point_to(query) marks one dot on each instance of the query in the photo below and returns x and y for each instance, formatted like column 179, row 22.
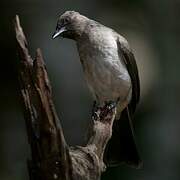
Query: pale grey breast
column 105, row 72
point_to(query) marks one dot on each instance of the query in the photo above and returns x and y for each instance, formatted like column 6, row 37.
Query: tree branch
column 51, row 157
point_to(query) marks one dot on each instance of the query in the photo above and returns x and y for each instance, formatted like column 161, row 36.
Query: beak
column 58, row 32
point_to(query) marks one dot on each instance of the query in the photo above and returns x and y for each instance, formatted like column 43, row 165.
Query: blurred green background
column 152, row 28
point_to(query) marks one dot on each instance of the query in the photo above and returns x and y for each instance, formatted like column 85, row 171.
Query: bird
column 111, row 73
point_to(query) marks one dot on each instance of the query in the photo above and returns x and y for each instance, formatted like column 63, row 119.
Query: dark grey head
column 70, row 25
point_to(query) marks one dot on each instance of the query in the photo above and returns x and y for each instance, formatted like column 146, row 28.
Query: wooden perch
column 51, row 157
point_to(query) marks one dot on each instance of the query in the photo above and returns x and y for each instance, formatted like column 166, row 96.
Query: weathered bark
column 51, row 157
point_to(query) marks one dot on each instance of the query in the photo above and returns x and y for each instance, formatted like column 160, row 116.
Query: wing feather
column 129, row 60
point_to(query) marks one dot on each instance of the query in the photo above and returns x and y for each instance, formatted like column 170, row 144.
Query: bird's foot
column 110, row 105
column 108, row 111
column 95, row 111
column 101, row 112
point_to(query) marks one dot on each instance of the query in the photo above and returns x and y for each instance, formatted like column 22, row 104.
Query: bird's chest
column 102, row 68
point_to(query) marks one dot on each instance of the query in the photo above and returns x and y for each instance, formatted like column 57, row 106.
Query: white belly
column 106, row 74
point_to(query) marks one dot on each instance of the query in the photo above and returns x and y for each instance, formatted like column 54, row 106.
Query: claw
column 111, row 105
column 95, row 114
column 100, row 112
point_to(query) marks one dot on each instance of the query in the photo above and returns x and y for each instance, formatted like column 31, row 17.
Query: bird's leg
column 94, row 106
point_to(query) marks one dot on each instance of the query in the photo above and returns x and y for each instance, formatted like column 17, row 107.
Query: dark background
column 153, row 29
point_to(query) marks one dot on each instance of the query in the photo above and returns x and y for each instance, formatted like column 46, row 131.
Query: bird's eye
column 65, row 21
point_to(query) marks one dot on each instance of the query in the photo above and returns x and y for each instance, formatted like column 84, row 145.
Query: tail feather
column 122, row 147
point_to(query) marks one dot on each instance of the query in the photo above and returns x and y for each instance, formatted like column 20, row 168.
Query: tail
column 122, row 147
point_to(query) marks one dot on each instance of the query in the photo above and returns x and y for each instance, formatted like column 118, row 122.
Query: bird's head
column 70, row 25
